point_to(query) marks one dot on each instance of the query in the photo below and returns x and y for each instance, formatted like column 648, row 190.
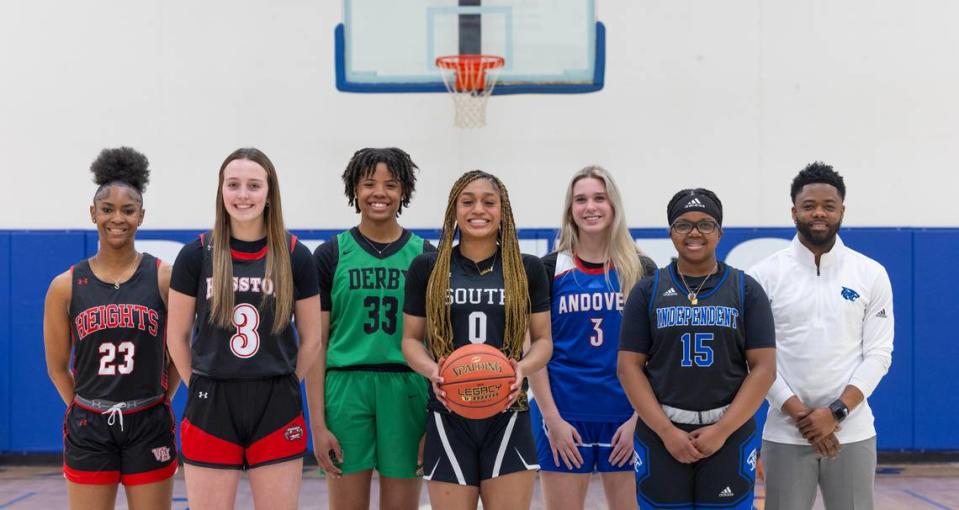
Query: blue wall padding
column 936, row 342
column 916, row 404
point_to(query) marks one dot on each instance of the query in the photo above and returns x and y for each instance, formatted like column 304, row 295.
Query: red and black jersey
column 249, row 349
column 118, row 334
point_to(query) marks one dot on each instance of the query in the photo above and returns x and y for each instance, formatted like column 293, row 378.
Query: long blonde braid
column 438, row 318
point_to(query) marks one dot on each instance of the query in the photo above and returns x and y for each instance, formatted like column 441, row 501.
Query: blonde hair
column 438, row 319
column 279, row 268
column 621, row 250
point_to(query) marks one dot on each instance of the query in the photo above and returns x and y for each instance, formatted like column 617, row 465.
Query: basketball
column 476, row 379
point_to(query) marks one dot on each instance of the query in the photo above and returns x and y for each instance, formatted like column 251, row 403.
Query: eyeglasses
column 685, row 227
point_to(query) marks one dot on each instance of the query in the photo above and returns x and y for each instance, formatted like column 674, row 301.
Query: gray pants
column 794, row 471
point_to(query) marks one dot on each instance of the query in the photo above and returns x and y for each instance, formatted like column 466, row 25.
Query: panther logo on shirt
column 849, row 294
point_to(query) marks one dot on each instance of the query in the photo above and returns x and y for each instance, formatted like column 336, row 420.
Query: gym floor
column 906, row 486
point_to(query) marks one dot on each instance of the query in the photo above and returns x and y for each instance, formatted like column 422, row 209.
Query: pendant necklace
column 116, row 282
column 692, row 295
column 484, row 272
column 378, row 251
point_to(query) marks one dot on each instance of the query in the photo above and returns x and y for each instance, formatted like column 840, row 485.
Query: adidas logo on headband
column 694, row 203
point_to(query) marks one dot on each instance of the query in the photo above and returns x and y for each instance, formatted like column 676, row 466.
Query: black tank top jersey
column 119, row 348
column 248, row 350
column 697, row 360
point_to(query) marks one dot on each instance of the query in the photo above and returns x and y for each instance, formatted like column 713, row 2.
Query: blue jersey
column 586, row 312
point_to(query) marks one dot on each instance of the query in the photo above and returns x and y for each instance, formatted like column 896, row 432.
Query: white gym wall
column 736, row 96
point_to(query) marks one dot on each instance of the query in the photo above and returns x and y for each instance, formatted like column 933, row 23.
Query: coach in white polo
column 834, row 330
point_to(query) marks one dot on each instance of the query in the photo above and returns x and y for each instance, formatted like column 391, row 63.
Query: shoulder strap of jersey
column 655, row 291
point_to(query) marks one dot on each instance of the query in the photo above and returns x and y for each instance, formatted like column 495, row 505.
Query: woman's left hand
column 709, row 439
column 622, row 443
column 517, row 385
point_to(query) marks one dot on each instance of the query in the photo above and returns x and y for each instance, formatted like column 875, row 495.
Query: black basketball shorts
column 99, row 448
column 243, row 424
column 465, row 452
column 723, row 480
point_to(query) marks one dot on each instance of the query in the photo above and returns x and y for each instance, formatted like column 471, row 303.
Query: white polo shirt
column 834, row 327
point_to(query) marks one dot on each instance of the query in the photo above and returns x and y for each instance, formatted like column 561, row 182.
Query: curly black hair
column 363, row 164
column 817, row 172
column 124, row 166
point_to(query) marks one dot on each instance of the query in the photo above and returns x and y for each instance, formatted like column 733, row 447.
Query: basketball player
column 369, row 407
column 582, row 420
column 238, row 290
column 110, row 310
column 480, row 291
column 697, row 356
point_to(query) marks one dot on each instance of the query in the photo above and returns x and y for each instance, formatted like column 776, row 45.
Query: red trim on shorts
column 200, row 446
column 157, row 475
column 285, row 442
column 90, row 477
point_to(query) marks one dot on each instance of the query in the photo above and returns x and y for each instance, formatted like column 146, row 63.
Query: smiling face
column 695, row 247
column 379, row 194
column 244, row 190
column 591, row 210
column 818, row 212
column 478, row 212
column 117, row 212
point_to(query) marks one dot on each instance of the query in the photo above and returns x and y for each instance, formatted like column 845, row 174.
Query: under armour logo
column 202, row 394
column 82, row 280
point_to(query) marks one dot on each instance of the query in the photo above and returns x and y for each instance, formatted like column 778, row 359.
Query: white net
column 470, row 82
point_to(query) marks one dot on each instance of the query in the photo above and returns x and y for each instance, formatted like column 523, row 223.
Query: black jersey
column 477, row 302
column 697, row 353
column 248, row 350
column 118, row 334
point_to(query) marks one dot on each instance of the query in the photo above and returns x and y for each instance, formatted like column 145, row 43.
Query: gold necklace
column 373, row 247
column 693, row 295
column 116, row 282
column 484, row 272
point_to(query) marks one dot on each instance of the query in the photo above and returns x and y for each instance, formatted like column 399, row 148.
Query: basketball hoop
column 470, row 79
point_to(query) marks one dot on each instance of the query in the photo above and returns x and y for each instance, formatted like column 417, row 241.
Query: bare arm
column 416, row 355
column 181, row 312
column 326, row 447
column 173, row 377
column 56, row 336
column 309, row 326
column 630, row 369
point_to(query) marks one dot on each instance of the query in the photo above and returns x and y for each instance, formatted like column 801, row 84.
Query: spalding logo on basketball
column 476, row 379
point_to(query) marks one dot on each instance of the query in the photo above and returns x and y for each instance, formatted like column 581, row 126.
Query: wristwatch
column 839, row 410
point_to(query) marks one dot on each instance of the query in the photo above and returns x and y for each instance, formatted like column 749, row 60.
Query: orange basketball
column 476, row 379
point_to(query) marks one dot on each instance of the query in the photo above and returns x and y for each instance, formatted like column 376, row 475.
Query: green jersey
column 366, row 301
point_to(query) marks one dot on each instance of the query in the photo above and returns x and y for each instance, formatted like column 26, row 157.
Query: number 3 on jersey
column 246, row 342
column 596, row 339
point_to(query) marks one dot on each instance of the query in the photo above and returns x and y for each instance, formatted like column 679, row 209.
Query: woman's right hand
column 436, row 380
column 563, row 439
column 327, row 448
column 680, row 445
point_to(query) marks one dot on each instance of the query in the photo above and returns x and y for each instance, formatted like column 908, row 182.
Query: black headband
column 694, row 201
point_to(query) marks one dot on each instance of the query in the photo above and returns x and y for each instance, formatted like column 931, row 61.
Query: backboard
column 391, row 46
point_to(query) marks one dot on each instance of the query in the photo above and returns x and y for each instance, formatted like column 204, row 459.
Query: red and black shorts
column 243, row 424
column 101, row 448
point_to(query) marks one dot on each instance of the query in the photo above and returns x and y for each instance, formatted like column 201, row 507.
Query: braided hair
column 121, row 166
column 814, row 173
column 438, row 319
column 363, row 164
